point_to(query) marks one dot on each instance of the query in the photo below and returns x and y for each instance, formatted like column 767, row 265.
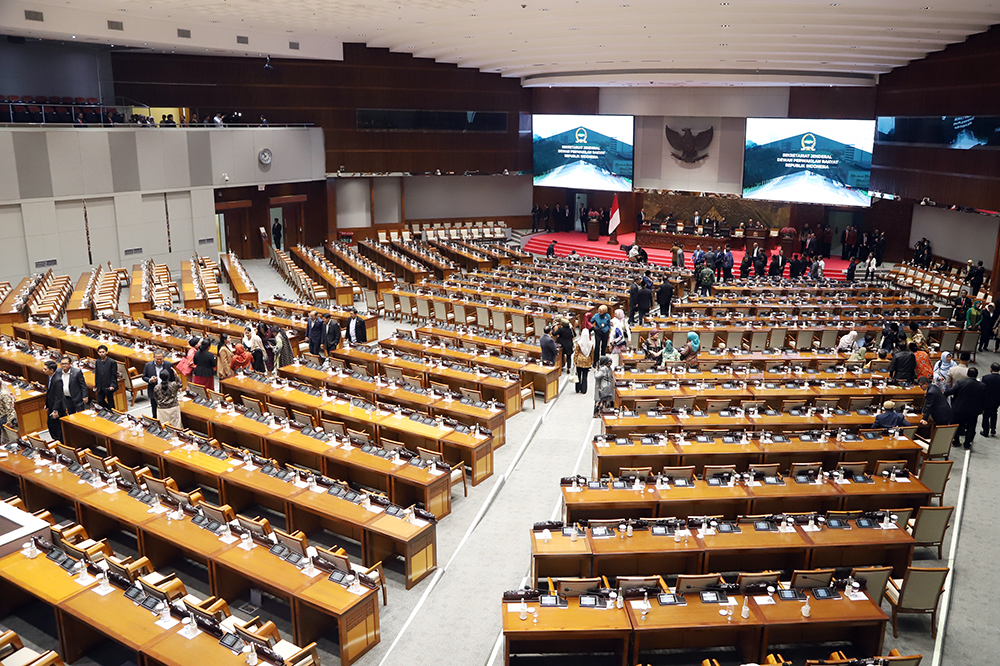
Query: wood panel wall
column 314, row 208
column 962, row 79
column 853, row 103
column 328, row 94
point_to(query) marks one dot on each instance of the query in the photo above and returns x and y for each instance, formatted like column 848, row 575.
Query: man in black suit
column 314, row 333
column 777, row 268
column 548, row 345
column 73, row 386
column 151, row 373
column 54, row 409
column 105, row 378
column 644, row 302
column 992, row 384
column 967, row 402
column 935, row 404
column 664, row 297
column 633, row 300
column 331, row 334
column 356, row 332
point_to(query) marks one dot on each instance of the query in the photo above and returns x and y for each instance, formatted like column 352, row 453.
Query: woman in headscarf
column 282, row 347
column 941, row 369
column 620, row 334
column 689, row 352
column 858, row 354
column 242, row 359
column 847, row 342
column 586, row 321
column 924, row 366
column 266, row 334
column 583, row 358
column 973, row 315
column 8, row 416
column 669, row 353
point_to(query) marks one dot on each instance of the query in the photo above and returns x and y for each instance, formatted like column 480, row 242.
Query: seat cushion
column 892, row 592
column 21, row 658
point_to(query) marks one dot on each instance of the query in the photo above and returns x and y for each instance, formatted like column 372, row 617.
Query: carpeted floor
column 576, row 241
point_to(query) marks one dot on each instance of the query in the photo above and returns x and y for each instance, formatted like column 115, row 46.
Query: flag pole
column 614, row 222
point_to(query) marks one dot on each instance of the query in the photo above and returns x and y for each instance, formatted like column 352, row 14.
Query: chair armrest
column 50, row 658
column 10, row 638
column 892, row 581
column 307, row 656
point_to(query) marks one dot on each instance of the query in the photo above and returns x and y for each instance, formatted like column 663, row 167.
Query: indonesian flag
column 616, row 218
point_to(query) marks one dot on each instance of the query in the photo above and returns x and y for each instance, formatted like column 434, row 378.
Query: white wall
column 720, row 171
column 131, row 182
column 954, row 235
column 735, row 102
column 430, row 197
column 354, row 199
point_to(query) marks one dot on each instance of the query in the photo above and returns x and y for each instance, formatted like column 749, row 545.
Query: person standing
column 283, row 354
column 602, row 330
column 706, row 278
column 976, row 276
column 204, row 365
column 356, row 333
column 151, row 373
column 550, row 251
column 564, row 338
column 8, row 417
column 548, row 345
column 745, row 266
column 903, row 367
column 583, row 358
column 546, row 215
column 74, row 387
column 645, row 302
column 852, row 269
column 633, row 299
column 185, row 366
column 665, row 297
column 992, row 401
column 105, row 378
column 315, row 333
column 604, row 385
column 777, row 268
column 166, row 397
column 968, row 399
column 331, row 334
column 224, row 358
column 54, row 409
column 255, row 345
column 759, row 261
column 936, row 405
column 276, row 235
column 986, row 324
column 727, row 265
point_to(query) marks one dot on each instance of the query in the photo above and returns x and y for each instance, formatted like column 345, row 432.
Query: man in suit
column 727, row 265
column 936, row 404
column 54, row 409
column 314, row 333
column 903, row 367
column 644, row 302
column 992, row 384
column 331, row 334
column 777, row 268
column 105, row 378
column 73, row 386
column 664, row 297
column 356, row 332
column 633, row 300
column 967, row 402
column 151, row 373
column 549, row 349
column 889, row 418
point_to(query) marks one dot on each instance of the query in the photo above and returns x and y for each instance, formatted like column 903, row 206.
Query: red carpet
column 567, row 242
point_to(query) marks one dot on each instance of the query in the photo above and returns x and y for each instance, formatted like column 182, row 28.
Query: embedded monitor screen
column 583, row 152
column 808, row 161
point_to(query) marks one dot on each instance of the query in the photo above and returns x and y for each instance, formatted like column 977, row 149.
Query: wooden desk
column 19, row 362
column 695, row 625
column 341, row 314
column 476, row 451
column 566, row 630
column 137, row 302
column 8, row 315
column 730, row 502
column 860, row 622
column 335, row 283
column 244, row 291
column 404, row 267
column 76, row 312
column 610, row 456
column 192, row 299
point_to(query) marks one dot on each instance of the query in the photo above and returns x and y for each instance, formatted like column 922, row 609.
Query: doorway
column 275, row 215
column 237, row 227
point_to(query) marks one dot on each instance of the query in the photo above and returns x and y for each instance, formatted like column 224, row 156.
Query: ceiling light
column 723, row 44
column 725, row 25
column 724, row 4
column 889, row 29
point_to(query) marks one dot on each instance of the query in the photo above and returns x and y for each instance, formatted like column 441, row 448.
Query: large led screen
column 808, row 161
column 583, row 152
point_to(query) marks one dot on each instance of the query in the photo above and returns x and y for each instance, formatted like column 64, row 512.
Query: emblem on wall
column 689, row 145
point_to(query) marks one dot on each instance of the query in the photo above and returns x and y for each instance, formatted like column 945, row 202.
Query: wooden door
column 293, row 214
column 237, row 232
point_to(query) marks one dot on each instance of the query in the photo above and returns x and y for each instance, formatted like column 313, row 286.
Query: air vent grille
column 116, row 25
column 242, row 40
column 32, row 15
column 293, row 46
column 183, row 33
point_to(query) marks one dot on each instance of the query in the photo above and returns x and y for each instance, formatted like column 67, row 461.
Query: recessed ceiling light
column 725, row 25
column 574, row 28
column 889, row 29
column 724, row 4
column 834, row 4
column 600, row 46
column 925, row 8
column 854, row 47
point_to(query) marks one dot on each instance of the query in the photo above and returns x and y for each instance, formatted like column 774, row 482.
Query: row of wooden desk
column 381, row 536
column 702, row 498
column 645, row 553
column 771, row 392
column 471, row 448
column 364, row 271
column 329, row 277
column 243, row 290
column 610, row 455
column 86, row 618
column 627, row 633
column 401, row 265
column 440, row 265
